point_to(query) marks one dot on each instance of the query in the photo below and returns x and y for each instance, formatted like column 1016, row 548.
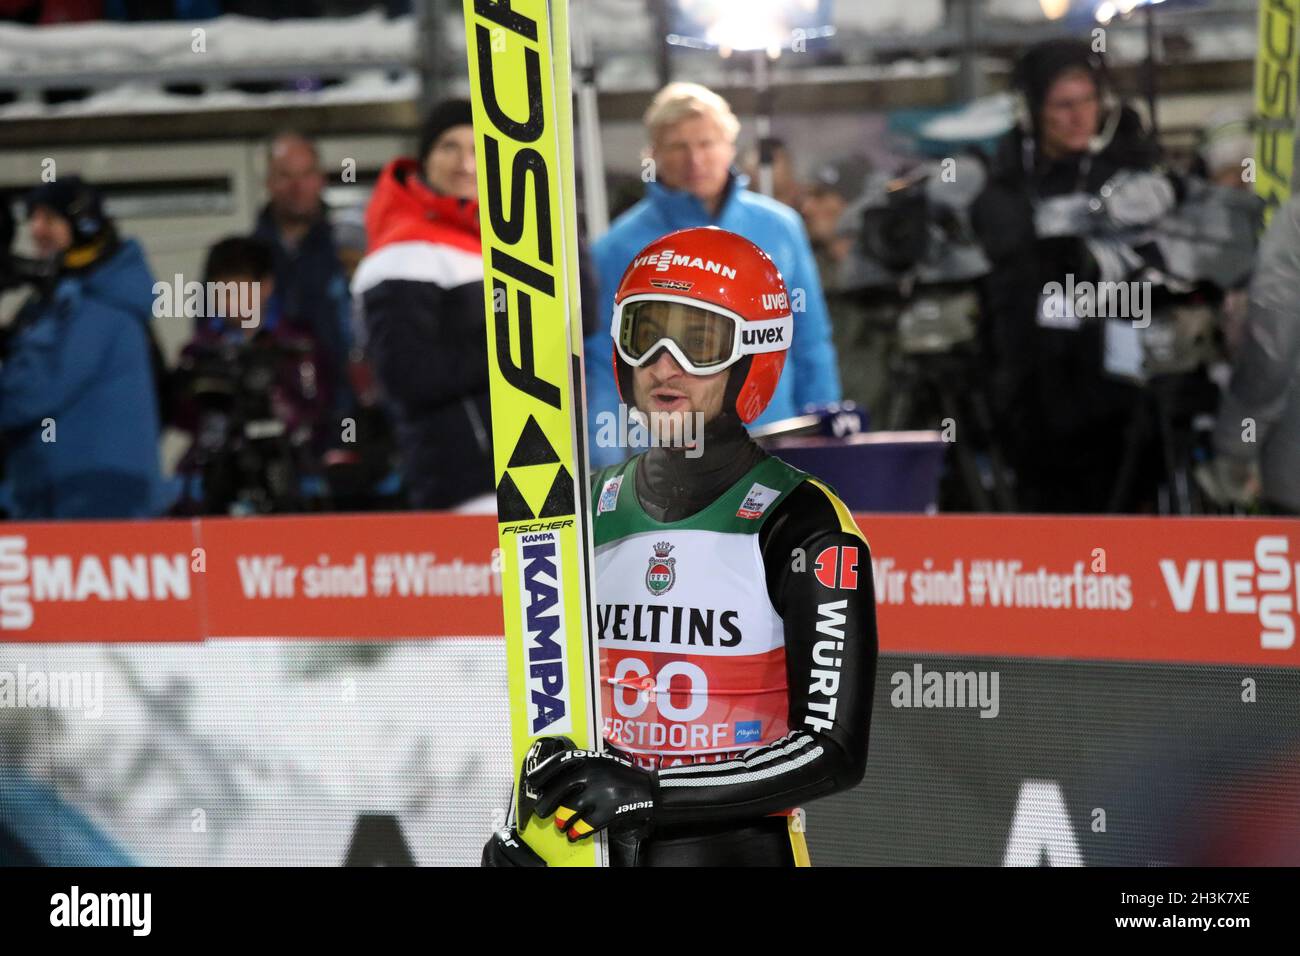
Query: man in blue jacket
column 78, row 398
column 692, row 134
column 309, row 278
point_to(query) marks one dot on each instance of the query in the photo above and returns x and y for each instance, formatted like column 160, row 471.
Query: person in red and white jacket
column 419, row 297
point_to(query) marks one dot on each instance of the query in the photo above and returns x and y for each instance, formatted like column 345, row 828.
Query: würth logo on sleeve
column 828, row 656
column 662, row 573
column 837, row 564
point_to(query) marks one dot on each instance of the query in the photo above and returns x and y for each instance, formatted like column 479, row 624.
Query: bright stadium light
column 1054, row 9
column 745, row 27
column 761, row 29
column 1108, row 10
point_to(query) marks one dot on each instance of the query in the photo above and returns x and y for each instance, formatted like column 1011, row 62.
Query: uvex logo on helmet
column 767, row 336
column 728, row 275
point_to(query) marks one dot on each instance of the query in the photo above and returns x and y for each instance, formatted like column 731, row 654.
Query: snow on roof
column 127, row 65
column 368, row 87
column 135, row 47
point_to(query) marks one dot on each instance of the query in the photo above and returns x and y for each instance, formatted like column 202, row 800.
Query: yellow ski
column 1277, row 67
column 519, row 76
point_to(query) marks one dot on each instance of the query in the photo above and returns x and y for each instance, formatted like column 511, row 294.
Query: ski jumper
column 737, row 649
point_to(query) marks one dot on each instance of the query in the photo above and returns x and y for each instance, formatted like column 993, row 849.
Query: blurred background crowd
column 1087, row 312
column 47, row 12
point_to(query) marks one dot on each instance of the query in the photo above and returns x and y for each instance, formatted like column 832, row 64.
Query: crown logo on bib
column 662, row 573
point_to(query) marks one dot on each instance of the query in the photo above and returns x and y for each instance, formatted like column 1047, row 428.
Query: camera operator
column 78, row 393
column 1064, row 417
column 248, row 390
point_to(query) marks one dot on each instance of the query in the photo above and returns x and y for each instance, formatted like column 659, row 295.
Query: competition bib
column 692, row 652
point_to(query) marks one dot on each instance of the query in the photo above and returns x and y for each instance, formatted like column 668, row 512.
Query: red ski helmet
column 714, row 301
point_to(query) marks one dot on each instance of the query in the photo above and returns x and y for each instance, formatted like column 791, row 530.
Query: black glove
column 506, row 848
column 587, row 791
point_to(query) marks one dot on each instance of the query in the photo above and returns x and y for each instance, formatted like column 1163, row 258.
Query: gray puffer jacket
column 1266, row 372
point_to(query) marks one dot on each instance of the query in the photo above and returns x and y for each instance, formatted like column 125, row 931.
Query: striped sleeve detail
column 759, row 764
column 418, row 261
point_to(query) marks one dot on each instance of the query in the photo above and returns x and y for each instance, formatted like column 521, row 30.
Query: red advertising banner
column 1208, row 590
column 99, row 581
column 353, row 576
column 1212, row 590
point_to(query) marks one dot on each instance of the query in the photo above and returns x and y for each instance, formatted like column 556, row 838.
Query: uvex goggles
column 703, row 338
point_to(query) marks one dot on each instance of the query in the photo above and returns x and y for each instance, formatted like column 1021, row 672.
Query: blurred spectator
column 248, row 392
column 1065, row 419
column 823, row 202
column 70, row 11
column 1257, row 438
column 164, row 9
column 308, row 275
column 420, row 298
column 361, row 473
column 1226, row 144
column 20, row 11
column 78, row 394
column 280, row 10
column 48, row 12
column 786, row 187
column 862, row 342
column 692, row 133
column 349, row 227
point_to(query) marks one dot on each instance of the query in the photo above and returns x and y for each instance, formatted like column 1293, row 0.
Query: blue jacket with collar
column 811, row 374
column 81, row 366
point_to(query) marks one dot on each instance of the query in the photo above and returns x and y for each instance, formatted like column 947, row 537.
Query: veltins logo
column 662, row 573
column 542, row 609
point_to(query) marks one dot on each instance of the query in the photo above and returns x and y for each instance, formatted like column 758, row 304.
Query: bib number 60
column 633, row 695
